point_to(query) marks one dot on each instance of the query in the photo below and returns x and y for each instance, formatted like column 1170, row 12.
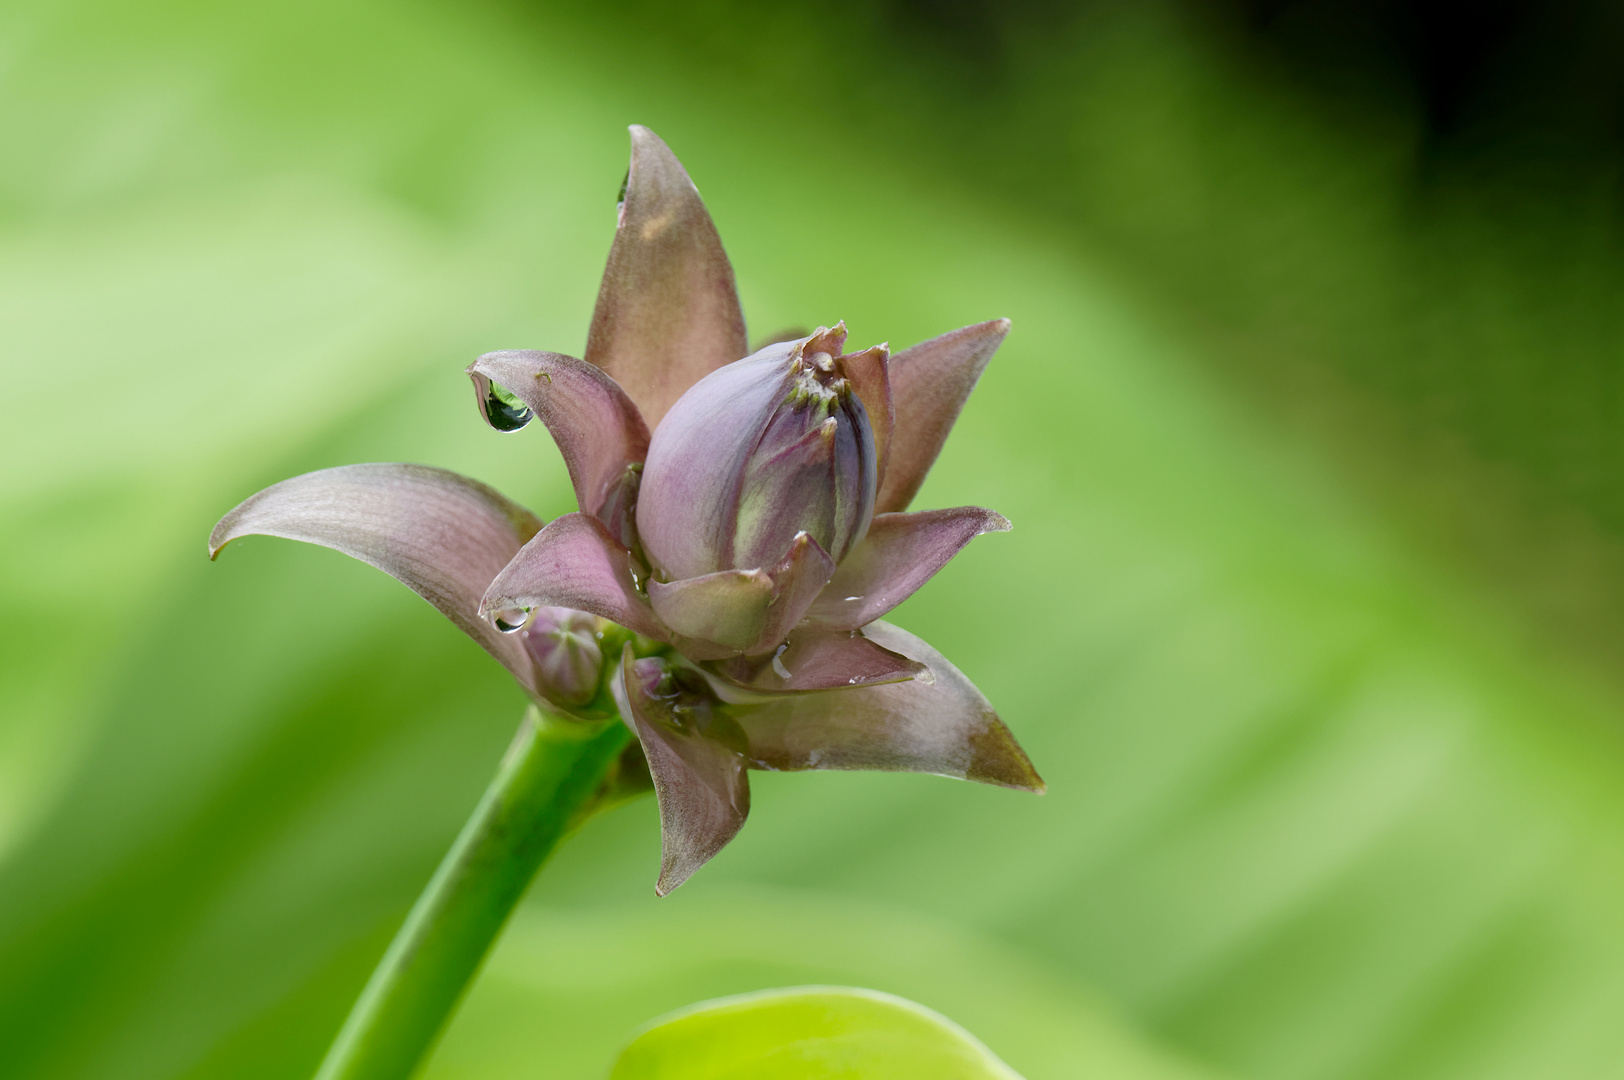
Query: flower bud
column 756, row 452
column 569, row 663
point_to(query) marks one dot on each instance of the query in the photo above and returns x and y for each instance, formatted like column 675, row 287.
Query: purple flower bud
column 755, row 453
column 569, row 662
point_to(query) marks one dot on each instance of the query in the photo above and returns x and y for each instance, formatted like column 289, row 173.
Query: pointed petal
column 900, row 553
column 735, row 612
column 667, row 311
column 442, row 535
column 727, row 608
column 574, row 563
column 597, row 428
column 942, row 725
column 929, row 384
column 814, row 659
column 797, row 582
column 694, row 755
column 869, row 372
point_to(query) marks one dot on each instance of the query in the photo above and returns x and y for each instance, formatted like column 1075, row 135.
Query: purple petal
column 727, row 608
column 597, row 428
column 442, row 535
column 797, row 581
column 814, row 659
column 900, row 553
column 695, row 757
column 687, row 510
column 929, row 385
column 939, row 724
column 574, row 563
column 869, row 372
column 667, row 310
column 735, row 612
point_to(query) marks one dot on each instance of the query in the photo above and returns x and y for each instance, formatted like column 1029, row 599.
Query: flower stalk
column 548, row 780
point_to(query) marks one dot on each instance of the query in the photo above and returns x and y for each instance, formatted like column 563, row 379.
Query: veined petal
column 929, row 384
column 574, row 563
column 727, row 608
column 668, row 311
column 941, row 724
column 695, row 756
column 442, row 535
column 900, row 553
column 816, row 659
column 596, row 426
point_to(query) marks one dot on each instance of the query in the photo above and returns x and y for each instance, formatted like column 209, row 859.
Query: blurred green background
column 1313, row 615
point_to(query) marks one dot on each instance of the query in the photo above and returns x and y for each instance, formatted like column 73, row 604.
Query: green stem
column 548, row 776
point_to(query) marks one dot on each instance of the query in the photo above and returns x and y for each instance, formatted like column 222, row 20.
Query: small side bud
column 569, row 662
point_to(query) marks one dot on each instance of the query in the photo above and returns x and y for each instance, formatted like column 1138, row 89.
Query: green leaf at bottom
column 807, row 1032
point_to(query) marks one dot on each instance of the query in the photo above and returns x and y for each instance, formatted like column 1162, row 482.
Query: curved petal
column 870, row 375
column 695, row 756
column 574, row 563
column 668, row 311
column 727, row 608
column 442, row 535
column 929, row 384
column 597, row 428
column 734, row 612
column 688, row 506
column 900, row 553
column 814, row 659
column 797, row 582
column 940, row 724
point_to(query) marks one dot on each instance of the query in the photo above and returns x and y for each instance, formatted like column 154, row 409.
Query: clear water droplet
column 504, row 410
column 511, row 620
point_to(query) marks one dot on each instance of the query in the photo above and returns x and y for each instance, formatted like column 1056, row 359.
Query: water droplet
column 511, row 620
column 504, row 410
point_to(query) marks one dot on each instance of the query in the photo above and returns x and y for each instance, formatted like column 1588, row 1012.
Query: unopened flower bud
column 756, row 452
column 569, row 663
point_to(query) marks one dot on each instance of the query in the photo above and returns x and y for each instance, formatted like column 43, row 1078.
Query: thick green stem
column 549, row 774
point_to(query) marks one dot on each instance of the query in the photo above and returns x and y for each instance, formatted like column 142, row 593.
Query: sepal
column 900, row 553
column 936, row 723
column 599, row 432
column 668, row 311
column 442, row 535
column 929, row 385
column 695, row 754
column 575, row 563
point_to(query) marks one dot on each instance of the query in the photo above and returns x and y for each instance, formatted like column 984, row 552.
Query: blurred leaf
column 806, row 1033
column 567, row 983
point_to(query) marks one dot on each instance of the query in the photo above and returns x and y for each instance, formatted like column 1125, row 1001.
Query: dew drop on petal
column 510, row 620
column 505, row 411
